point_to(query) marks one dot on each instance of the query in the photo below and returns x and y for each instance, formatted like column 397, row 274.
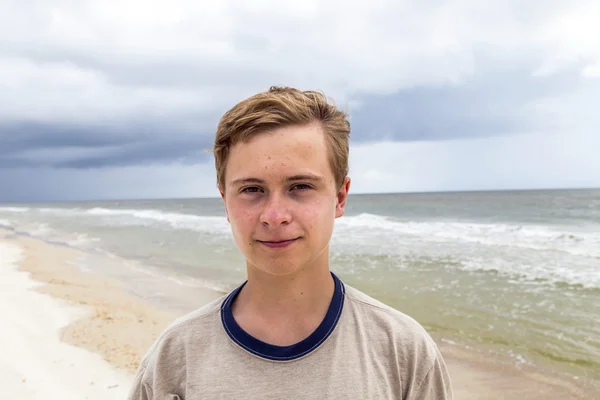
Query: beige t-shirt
column 362, row 350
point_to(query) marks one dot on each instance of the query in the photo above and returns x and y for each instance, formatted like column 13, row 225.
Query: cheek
column 242, row 219
column 319, row 214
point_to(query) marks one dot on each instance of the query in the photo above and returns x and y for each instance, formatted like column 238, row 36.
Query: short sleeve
column 140, row 390
column 436, row 384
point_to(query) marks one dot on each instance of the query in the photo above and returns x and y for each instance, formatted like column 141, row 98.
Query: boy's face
column 281, row 199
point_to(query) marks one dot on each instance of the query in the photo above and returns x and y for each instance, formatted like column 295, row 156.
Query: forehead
column 291, row 149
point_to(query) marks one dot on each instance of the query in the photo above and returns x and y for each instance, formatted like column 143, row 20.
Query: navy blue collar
column 280, row 353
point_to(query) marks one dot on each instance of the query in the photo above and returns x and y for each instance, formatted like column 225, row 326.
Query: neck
column 293, row 294
column 284, row 309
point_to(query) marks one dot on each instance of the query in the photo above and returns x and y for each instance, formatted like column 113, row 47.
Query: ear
column 222, row 192
column 342, row 196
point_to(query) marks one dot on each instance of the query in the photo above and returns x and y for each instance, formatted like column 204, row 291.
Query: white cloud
column 62, row 92
column 204, row 48
column 536, row 160
column 592, row 70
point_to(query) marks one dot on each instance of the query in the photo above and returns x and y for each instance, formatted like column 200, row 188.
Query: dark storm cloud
column 492, row 104
column 163, row 151
column 489, row 105
column 26, row 135
column 35, row 145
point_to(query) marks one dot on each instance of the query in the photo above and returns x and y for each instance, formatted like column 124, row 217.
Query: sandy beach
column 65, row 333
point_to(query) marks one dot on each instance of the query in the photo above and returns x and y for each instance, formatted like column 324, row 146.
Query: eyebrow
column 293, row 178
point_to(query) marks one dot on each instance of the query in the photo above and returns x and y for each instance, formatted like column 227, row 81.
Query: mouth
column 274, row 244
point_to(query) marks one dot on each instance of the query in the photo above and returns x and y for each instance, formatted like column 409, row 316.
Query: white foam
column 536, row 237
column 194, row 282
column 35, row 364
column 535, row 271
column 41, row 229
column 180, row 280
column 5, row 223
column 80, row 239
column 209, row 224
column 14, row 209
column 146, row 217
column 62, row 211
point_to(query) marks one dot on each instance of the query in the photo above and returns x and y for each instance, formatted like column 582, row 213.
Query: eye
column 250, row 189
column 301, row 187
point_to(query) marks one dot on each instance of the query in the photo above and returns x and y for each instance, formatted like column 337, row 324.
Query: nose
column 276, row 212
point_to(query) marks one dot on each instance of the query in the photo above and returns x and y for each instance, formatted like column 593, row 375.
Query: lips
column 277, row 243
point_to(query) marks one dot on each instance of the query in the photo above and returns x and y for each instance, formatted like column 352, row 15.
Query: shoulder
column 163, row 369
column 402, row 332
column 190, row 331
column 422, row 371
column 382, row 314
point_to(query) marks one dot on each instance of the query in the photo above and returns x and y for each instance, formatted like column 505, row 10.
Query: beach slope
column 35, row 363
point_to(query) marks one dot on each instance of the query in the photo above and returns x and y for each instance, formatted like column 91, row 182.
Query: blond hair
column 279, row 107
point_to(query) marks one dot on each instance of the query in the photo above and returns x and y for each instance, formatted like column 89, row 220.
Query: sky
column 117, row 100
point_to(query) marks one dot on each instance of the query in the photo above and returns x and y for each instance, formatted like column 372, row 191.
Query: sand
column 35, row 364
column 67, row 334
column 475, row 376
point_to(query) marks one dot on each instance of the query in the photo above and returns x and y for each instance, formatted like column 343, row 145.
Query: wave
column 536, row 237
column 536, row 273
column 45, row 232
column 14, row 209
column 162, row 275
column 146, row 217
column 208, row 224
column 366, row 229
column 374, row 240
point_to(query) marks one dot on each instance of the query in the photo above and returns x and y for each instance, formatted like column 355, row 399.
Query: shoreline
column 120, row 327
column 36, row 362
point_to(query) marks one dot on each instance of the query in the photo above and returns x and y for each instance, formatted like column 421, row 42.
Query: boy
column 293, row 330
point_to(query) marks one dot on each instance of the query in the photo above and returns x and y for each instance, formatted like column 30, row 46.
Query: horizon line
column 431, row 192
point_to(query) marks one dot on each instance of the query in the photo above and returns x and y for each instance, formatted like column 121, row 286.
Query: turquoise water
column 516, row 272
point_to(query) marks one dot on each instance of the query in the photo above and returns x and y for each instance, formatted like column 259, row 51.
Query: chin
column 275, row 268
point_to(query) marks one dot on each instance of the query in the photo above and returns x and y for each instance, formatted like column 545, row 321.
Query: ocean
column 516, row 273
